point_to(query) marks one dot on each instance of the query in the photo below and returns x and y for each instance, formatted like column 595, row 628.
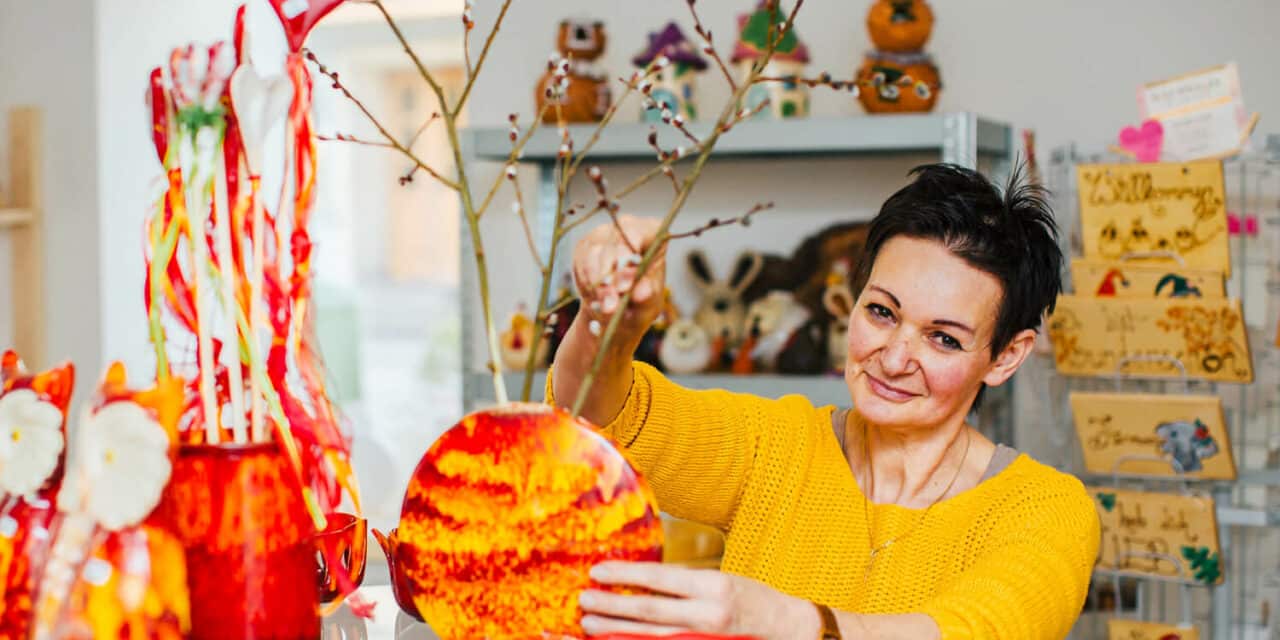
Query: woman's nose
column 895, row 358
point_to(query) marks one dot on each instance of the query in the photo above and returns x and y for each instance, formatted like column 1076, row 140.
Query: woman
column 894, row 519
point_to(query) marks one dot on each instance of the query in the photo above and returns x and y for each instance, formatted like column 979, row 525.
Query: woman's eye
column 947, row 341
column 879, row 311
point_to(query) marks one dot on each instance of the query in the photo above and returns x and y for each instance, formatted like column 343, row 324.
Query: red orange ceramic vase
column 506, row 514
column 251, row 566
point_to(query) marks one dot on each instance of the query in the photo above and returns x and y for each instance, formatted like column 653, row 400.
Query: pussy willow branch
column 567, row 171
column 710, row 48
column 517, row 149
column 413, row 55
column 654, row 249
column 342, row 137
column 715, row 223
column 518, row 205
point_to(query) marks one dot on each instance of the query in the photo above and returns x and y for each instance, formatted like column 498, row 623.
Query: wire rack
column 1247, row 605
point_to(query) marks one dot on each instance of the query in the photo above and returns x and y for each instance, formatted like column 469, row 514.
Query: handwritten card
column 1120, row 629
column 1151, row 338
column 1155, row 435
column 1202, row 113
column 1158, row 534
column 1103, row 279
column 1155, row 213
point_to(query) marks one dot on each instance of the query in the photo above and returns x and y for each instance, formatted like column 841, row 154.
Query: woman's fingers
column 654, row 610
column 600, row 625
column 654, row 576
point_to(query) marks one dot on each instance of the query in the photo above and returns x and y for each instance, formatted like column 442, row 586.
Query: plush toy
column 900, row 25
column 676, row 83
column 722, row 310
column 787, row 99
column 685, row 348
column 585, row 97
column 839, row 303
column 518, row 339
column 789, row 342
column 805, row 272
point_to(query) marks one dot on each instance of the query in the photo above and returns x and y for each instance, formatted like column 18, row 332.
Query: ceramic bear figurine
column 584, row 94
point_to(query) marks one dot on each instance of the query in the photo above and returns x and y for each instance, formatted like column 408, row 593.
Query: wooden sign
column 1158, row 534
column 1151, row 434
column 1150, row 212
column 1102, row 279
column 1120, row 629
column 1130, row 336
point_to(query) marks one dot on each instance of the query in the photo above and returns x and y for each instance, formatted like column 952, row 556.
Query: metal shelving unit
column 962, row 138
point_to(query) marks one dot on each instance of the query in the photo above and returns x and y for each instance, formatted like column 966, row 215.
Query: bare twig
column 435, row 115
column 342, row 137
column 710, row 49
column 744, row 220
column 422, row 69
column 484, row 54
column 518, row 207
column 337, row 84
column 467, row 25
column 671, row 173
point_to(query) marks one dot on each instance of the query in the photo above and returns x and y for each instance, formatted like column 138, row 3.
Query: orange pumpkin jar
column 900, row 26
column 889, row 83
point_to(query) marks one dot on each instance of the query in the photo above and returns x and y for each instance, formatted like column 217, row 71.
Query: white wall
column 1069, row 70
column 47, row 54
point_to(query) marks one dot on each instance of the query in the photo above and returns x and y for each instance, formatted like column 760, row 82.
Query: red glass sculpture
column 33, row 411
column 506, row 514
column 249, row 542
column 113, row 573
column 401, row 588
column 343, row 542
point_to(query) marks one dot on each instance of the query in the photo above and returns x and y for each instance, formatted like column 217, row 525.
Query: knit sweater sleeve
column 1033, row 578
column 697, row 449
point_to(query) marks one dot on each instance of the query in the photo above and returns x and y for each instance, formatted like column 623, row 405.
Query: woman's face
column 920, row 336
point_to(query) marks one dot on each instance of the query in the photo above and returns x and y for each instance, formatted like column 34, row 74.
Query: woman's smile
column 888, row 391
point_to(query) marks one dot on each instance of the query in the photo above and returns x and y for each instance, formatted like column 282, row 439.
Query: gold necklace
column 866, row 500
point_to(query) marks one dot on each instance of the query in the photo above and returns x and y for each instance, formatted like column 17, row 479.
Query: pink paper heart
column 1146, row 142
column 299, row 16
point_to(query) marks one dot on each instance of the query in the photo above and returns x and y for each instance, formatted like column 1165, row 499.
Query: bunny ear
column 698, row 267
column 745, row 270
column 838, row 301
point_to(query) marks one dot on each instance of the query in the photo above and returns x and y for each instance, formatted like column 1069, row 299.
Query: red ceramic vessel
column 505, row 516
column 249, row 542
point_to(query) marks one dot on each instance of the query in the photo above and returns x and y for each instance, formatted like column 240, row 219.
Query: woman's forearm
column 572, row 363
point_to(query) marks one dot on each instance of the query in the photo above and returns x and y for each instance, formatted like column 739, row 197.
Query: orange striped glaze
column 506, row 514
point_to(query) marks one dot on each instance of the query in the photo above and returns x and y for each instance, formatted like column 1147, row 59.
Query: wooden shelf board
column 13, row 218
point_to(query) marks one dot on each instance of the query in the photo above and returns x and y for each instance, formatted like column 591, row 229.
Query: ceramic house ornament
column 675, row 76
column 787, row 98
column 898, row 76
column 574, row 79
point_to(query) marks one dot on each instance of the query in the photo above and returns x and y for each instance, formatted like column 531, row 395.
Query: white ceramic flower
column 124, row 464
column 30, row 441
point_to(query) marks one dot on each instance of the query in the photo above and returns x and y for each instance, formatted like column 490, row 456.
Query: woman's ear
column 1012, row 357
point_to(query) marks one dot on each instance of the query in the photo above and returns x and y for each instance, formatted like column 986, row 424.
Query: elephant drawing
column 1188, row 442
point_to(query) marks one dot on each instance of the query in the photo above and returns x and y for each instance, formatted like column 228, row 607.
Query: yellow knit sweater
column 1010, row 558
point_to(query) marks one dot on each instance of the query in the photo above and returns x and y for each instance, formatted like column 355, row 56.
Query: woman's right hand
column 605, row 268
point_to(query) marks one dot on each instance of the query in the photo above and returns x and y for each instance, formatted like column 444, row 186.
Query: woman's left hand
column 692, row 600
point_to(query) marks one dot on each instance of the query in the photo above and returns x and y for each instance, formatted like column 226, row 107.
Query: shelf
column 859, row 135
column 14, row 218
column 820, row 390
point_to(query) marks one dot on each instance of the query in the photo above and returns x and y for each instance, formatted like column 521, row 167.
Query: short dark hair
column 1012, row 236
